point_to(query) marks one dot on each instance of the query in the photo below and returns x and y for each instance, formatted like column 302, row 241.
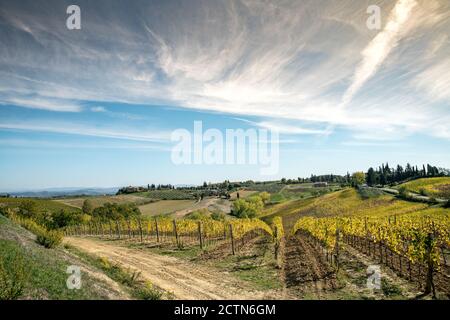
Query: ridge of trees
column 386, row 175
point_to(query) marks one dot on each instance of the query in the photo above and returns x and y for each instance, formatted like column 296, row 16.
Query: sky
column 96, row 107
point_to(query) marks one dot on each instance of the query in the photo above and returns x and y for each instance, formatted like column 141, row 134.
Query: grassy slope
column 165, row 207
column 101, row 200
column 45, row 269
column 434, row 187
column 42, row 204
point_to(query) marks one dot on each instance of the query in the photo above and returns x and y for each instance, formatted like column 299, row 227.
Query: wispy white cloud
column 290, row 63
column 98, row 109
column 435, row 81
column 27, row 143
column 49, row 104
column 86, row 130
column 379, row 48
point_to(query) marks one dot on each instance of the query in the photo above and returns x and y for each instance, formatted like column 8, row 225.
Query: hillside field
column 433, row 187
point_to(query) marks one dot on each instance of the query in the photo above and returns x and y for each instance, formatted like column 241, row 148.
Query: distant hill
column 63, row 192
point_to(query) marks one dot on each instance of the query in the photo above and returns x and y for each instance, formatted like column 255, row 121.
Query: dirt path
column 185, row 280
column 305, row 269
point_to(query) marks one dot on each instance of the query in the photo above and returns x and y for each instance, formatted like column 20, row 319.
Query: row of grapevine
column 181, row 232
column 412, row 245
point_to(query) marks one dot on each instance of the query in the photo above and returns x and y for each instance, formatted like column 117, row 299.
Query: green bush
column 13, row 273
column 49, row 239
column 148, row 292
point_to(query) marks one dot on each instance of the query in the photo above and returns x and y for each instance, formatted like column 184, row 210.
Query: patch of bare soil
column 305, row 269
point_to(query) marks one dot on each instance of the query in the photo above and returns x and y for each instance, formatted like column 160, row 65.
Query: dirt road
column 184, row 279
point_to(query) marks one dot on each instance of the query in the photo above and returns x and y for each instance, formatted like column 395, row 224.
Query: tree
column 371, row 178
column 63, row 218
column 88, row 206
column 249, row 208
column 28, row 209
column 358, row 178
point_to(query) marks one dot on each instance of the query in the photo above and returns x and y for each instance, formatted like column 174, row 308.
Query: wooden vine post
column 337, row 248
column 277, row 243
column 232, row 239
column 200, row 236
column 429, row 286
column 140, row 229
column 175, row 231
column 157, row 230
column 129, row 228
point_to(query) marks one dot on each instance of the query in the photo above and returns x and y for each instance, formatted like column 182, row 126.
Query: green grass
column 272, row 187
column 167, row 194
column 101, row 200
column 164, row 207
column 43, row 205
column 45, row 269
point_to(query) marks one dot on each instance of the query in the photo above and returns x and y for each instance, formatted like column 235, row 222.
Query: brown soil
column 305, row 269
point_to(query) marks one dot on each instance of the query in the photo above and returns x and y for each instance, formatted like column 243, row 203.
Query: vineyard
column 417, row 247
column 182, row 232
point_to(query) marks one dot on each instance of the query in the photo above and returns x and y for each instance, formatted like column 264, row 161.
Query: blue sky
column 96, row 107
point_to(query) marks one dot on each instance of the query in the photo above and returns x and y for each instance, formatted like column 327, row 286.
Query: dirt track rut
column 182, row 278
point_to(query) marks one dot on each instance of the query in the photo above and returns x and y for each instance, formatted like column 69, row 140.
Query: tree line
column 385, row 174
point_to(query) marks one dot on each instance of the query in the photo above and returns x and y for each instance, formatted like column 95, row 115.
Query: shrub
column 13, row 273
column 148, row 292
column 49, row 239
column 199, row 214
column 403, row 192
column 219, row 216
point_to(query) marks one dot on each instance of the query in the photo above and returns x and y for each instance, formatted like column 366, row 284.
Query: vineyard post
column 157, row 230
column 90, row 229
column 232, row 239
column 379, row 245
column 175, row 231
column 277, row 244
column 102, row 234
column 140, row 229
column 200, row 238
column 429, row 287
column 337, row 248
column 129, row 228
